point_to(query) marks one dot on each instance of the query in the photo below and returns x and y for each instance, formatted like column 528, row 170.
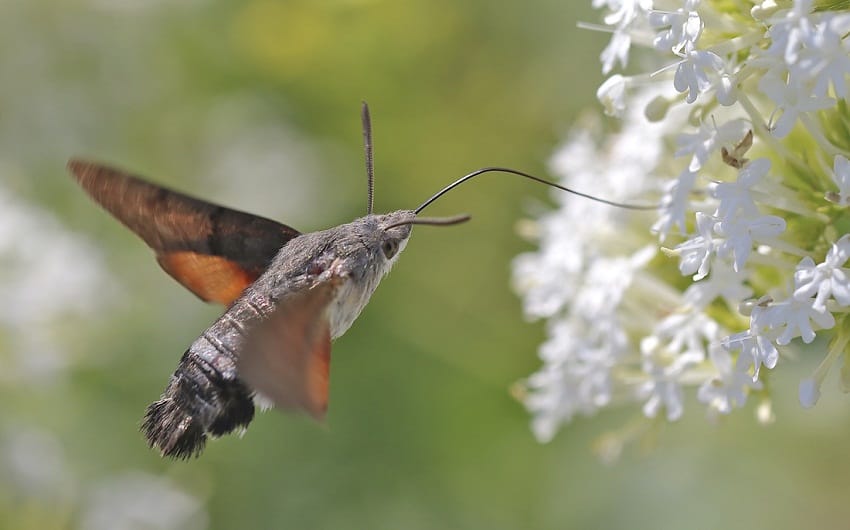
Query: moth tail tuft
column 170, row 429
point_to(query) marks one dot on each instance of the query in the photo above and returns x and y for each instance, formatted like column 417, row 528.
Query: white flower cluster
column 760, row 244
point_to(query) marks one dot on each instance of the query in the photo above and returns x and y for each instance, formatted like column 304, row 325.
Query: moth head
column 393, row 233
column 387, row 234
column 383, row 237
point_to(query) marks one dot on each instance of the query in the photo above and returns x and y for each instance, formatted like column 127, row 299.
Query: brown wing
column 287, row 357
column 213, row 251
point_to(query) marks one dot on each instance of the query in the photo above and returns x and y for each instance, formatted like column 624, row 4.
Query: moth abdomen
column 201, row 399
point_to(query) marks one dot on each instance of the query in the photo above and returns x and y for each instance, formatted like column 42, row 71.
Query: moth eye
column 389, row 247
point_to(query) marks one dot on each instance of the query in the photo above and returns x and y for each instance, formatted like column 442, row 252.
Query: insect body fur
column 207, row 396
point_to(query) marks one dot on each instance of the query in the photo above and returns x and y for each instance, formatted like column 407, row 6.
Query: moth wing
column 215, row 252
column 287, row 357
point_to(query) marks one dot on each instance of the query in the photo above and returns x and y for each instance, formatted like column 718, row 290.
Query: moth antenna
column 433, row 221
column 481, row 171
column 370, row 160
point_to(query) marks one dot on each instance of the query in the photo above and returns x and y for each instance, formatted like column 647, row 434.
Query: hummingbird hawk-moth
column 288, row 295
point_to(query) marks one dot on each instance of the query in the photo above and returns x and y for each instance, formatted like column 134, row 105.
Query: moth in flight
column 288, row 295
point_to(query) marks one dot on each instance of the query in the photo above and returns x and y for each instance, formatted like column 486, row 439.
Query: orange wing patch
column 215, row 252
column 211, row 278
column 318, row 376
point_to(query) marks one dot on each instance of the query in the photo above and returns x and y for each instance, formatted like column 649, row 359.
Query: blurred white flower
column 729, row 388
column 611, row 93
column 760, row 242
column 36, row 472
column 139, row 501
column 47, row 274
column 34, row 465
column 240, row 138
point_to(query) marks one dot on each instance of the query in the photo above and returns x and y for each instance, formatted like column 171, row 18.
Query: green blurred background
column 255, row 104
